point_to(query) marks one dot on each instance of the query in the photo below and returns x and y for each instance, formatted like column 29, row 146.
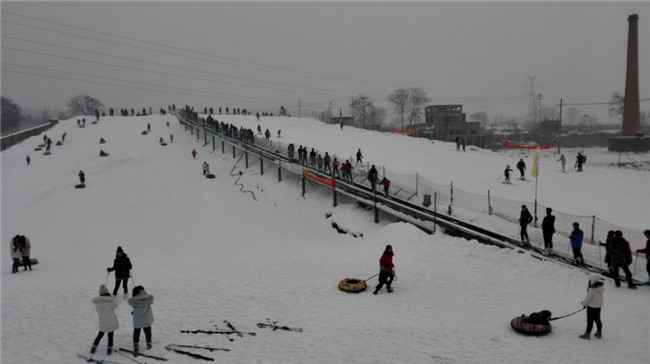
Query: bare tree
column 417, row 98
column 12, row 115
column 360, row 107
column 615, row 107
column 399, row 98
column 84, row 105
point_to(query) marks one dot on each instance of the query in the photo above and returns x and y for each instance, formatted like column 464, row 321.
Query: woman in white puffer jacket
column 594, row 302
column 105, row 305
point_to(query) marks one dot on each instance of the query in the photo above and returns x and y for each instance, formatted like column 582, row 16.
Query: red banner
column 328, row 181
column 405, row 131
column 516, row 145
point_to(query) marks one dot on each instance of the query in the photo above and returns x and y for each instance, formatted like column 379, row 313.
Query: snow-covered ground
column 210, row 253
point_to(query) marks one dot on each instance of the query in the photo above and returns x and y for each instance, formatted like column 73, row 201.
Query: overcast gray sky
column 260, row 55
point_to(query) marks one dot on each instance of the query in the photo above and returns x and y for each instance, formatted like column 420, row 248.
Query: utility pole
column 559, row 130
column 540, row 108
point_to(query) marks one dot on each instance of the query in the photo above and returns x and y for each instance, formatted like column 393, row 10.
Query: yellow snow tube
column 354, row 285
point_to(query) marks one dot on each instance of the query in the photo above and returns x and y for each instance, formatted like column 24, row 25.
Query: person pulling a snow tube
column 353, row 285
column 537, row 323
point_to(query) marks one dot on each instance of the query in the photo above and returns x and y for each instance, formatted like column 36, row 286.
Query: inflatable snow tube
column 353, row 285
column 210, row 176
column 32, row 261
column 521, row 326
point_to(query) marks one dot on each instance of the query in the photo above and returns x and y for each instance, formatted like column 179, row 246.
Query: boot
column 136, row 349
column 586, row 336
column 109, row 350
column 93, row 349
column 375, row 291
column 149, row 346
column 598, row 334
column 389, row 289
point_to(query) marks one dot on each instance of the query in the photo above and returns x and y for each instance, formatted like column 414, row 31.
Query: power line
column 598, row 103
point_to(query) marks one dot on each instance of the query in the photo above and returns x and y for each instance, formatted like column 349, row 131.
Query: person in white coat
column 594, row 302
column 141, row 302
column 16, row 252
column 105, row 305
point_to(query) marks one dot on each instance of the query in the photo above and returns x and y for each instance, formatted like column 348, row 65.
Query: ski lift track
column 420, row 216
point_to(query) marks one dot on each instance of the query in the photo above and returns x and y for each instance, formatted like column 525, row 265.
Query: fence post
column 334, row 194
column 246, row 156
column 417, row 182
column 376, row 209
column 261, row 164
column 198, row 134
column 451, row 200
column 223, row 146
column 489, row 204
column 191, row 130
column 435, row 210
column 303, row 185
column 279, row 171
column 214, row 145
column 233, row 151
column 205, row 137
column 593, row 227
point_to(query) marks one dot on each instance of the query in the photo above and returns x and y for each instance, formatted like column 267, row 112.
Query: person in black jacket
column 548, row 229
column 122, row 267
column 372, row 177
column 525, row 218
column 521, row 166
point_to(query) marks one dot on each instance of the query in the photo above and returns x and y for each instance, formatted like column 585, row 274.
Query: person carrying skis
column 206, row 168
column 594, row 302
column 576, row 243
column 506, row 173
column 122, row 267
column 521, row 166
column 646, row 250
column 105, row 305
column 620, row 256
column 386, row 270
column 372, row 177
column 525, row 218
column 142, row 317
column 548, row 229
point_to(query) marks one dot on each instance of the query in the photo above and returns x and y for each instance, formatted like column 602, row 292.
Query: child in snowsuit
column 142, row 316
column 386, row 270
column 122, row 267
column 105, row 305
column 506, row 173
column 594, row 302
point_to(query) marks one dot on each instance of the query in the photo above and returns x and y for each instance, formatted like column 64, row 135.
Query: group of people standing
column 106, row 304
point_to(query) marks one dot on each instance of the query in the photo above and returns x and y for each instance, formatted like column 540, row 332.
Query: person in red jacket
column 386, row 270
column 386, row 183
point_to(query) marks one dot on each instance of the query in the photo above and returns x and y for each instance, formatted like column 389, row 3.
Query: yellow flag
column 534, row 170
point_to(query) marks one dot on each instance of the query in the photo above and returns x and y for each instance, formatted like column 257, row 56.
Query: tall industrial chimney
column 631, row 122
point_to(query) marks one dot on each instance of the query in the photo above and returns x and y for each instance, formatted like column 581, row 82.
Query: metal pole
column 261, row 164
column 593, row 227
column 559, row 130
column 303, row 185
column 280, row 171
column 246, row 156
column 489, row 205
column 233, row 151
column 376, row 209
column 214, row 145
column 435, row 210
column 417, row 181
column 223, row 146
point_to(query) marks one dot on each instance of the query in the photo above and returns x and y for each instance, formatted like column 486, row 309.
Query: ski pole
column 557, row 318
column 107, row 278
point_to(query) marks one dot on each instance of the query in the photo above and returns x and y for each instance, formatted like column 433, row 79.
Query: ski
column 273, row 325
column 143, row 355
column 209, row 348
column 231, row 327
column 195, row 356
column 90, row 359
column 210, row 332
column 130, row 358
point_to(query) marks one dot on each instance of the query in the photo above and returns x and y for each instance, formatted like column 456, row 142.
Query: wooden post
column 223, row 146
column 303, row 185
column 246, row 156
column 233, row 151
column 261, row 164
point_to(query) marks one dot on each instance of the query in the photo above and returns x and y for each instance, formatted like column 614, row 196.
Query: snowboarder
column 548, row 229
column 82, row 178
column 102, row 153
column 206, row 168
column 359, row 156
column 105, row 305
column 594, row 302
column 122, row 267
column 141, row 302
column 521, row 166
column 386, row 183
column 386, row 270
column 620, row 256
column 576, row 243
column 28, row 160
column 194, row 153
column 563, row 161
column 646, row 250
column 506, row 173
column 372, row 177
column 525, row 218
column 16, row 252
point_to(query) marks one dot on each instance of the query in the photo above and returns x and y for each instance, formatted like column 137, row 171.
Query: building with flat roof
column 449, row 122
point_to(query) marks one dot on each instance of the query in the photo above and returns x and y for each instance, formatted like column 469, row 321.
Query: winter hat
column 595, row 278
column 119, row 250
column 103, row 290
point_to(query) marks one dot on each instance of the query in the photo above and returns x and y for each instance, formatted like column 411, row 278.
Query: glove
column 108, row 269
column 639, row 250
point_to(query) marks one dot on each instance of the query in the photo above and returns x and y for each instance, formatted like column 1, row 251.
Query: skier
column 279, row 132
column 462, row 142
column 620, row 256
column 372, row 177
column 28, row 160
column 206, row 168
column 521, row 166
column 386, row 270
column 148, row 127
column 97, row 114
column 594, row 302
column 82, row 178
column 576, row 243
column 63, row 137
column 359, row 156
column 525, row 218
column 548, row 229
column 142, row 317
column 122, row 267
column 105, row 305
column 646, row 250
column 194, row 153
column 16, row 252
column 259, row 130
column 506, row 173
column 267, row 134
column 563, row 161
column 386, row 183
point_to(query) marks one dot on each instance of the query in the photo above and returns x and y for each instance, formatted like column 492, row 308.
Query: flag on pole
column 534, row 170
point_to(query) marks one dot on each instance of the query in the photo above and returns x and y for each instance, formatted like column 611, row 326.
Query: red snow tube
column 520, row 325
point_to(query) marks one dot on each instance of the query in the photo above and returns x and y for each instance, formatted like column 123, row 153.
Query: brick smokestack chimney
column 631, row 122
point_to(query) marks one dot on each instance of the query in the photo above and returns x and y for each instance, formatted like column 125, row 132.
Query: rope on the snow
column 241, row 186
